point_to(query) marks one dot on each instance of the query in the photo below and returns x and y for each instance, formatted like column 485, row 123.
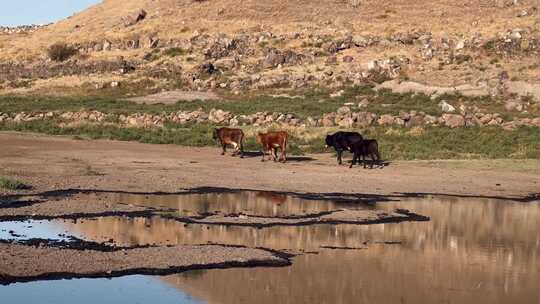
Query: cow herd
column 271, row 142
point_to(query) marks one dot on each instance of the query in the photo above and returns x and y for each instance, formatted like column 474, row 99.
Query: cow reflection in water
column 272, row 197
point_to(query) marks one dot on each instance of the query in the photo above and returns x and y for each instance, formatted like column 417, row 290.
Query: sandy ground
column 25, row 263
column 49, row 163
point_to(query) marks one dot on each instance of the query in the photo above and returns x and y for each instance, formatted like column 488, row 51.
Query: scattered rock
column 446, row 107
column 135, row 17
column 513, row 106
column 453, row 120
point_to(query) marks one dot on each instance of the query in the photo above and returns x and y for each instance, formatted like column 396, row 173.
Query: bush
column 7, row 183
column 175, row 51
column 61, row 51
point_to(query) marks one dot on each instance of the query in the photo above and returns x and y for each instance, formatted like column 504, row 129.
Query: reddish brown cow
column 271, row 142
column 233, row 137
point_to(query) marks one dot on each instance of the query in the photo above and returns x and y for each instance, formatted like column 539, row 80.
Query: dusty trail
column 50, row 163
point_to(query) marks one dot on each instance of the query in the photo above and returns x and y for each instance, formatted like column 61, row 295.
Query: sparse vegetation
column 89, row 171
column 12, row 184
column 174, row 52
column 396, row 143
column 60, row 51
column 314, row 103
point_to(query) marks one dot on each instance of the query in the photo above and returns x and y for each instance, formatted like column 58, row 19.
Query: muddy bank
column 354, row 217
column 68, row 206
column 22, row 263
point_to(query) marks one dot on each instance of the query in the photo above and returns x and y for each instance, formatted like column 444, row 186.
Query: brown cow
column 233, row 137
column 271, row 141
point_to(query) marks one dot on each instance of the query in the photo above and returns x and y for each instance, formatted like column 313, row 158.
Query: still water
column 472, row 251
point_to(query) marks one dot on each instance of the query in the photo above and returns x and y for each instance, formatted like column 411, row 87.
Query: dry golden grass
column 173, row 18
column 168, row 19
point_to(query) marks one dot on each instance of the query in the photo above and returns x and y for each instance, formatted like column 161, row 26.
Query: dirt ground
column 20, row 263
column 57, row 163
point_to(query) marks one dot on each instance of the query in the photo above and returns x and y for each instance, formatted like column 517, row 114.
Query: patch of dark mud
column 342, row 247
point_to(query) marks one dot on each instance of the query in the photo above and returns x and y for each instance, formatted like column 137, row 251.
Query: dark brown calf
column 272, row 141
column 233, row 137
column 366, row 147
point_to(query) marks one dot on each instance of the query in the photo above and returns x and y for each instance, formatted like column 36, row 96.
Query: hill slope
column 439, row 41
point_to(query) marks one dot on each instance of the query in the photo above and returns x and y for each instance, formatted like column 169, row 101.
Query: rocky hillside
column 231, row 45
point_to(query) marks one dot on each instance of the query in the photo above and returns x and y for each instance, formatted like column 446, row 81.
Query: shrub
column 175, row 51
column 11, row 184
column 61, row 51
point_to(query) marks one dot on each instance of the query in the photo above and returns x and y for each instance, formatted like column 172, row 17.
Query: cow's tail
column 242, row 145
column 285, row 142
column 378, row 154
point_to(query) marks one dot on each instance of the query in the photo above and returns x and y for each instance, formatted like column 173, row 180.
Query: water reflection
column 248, row 202
column 473, row 250
column 132, row 289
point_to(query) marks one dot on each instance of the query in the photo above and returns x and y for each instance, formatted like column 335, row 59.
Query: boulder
column 219, row 116
column 446, row 107
column 364, row 119
column 344, row 111
column 453, row 120
column 386, row 119
column 364, row 103
column 346, row 122
column 328, row 120
column 135, row 17
column 513, row 106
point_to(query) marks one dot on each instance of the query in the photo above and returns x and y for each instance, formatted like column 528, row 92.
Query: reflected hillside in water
column 472, row 250
column 247, row 202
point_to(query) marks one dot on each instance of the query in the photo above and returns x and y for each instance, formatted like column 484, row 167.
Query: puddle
column 472, row 251
column 132, row 289
column 247, row 202
column 33, row 230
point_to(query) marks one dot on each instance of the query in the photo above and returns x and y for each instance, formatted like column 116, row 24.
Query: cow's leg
column 364, row 160
column 224, row 146
column 284, row 151
column 274, row 153
column 339, row 152
column 372, row 160
column 235, row 146
column 242, row 147
column 263, row 153
column 355, row 155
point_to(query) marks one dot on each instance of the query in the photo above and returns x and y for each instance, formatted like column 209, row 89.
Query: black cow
column 342, row 141
column 366, row 147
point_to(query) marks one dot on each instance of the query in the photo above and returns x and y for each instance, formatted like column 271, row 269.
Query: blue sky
column 20, row 12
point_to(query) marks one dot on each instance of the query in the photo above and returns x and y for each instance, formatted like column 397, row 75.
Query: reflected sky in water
column 131, row 289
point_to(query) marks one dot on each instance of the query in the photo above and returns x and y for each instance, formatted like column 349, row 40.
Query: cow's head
column 329, row 141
